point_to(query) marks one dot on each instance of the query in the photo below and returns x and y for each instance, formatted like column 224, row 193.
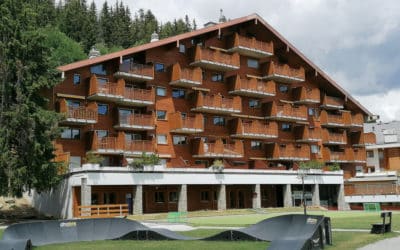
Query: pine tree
column 91, row 28
column 106, row 25
column 27, row 129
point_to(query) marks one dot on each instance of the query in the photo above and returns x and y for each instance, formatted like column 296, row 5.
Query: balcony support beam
column 222, row 197
column 342, row 204
column 138, row 200
column 256, row 196
column 315, row 195
column 182, row 201
column 287, row 195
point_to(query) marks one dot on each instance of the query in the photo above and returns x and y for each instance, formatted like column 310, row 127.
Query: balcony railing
column 254, row 129
column 302, row 95
column 330, row 102
column 335, row 120
column 346, row 156
column 79, row 115
column 360, row 155
column 369, row 138
column 137, row 147
column 283, row 73
column 286, row 112
column 105, row 91
column 217, row 149
column 135, row 71
column 179, row 124
column 288, row 152
column 217, row 104
column 101, row 211
column 360, row 139
column 357, row 120
column 185, row 77
column 215, row 59
column 137, row 97
column 331, row 138
column 251, row 47
column 372, row 189
column 306, row 134
column 135, row 122
column 252, row 87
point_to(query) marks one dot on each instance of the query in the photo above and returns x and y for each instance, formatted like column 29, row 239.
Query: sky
column 357, row 42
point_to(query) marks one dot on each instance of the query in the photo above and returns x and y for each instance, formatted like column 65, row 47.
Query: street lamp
column 302, row 173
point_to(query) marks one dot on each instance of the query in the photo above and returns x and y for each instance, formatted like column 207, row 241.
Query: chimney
column 94, row 52
column 154, row 37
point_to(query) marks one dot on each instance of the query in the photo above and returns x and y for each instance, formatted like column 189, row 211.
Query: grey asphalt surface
column 387, row 244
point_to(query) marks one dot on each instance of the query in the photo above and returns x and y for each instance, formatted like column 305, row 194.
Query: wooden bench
column 385, row 226
column 177, row 217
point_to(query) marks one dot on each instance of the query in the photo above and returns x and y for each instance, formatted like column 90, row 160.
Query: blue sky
column 355, row 42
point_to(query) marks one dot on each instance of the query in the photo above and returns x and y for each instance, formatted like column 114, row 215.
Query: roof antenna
column 222, row 18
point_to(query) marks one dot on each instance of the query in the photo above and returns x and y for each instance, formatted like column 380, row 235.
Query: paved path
column 387, row 244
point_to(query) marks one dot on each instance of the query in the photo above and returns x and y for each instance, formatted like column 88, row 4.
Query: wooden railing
column 107, row 88
column 285, row 70
column 217, row 101
column 179, row 74
column 303, row 94
column 338, row 156
column 143, row 120
column 82, row 112
column 109, row 142
column 217, row 56
column 201, row 148
column 342, row 119
column 140, row 145
column 357, row 120
column 139, row 94
column 177, row 122
column 253, row 43
column 287, row 110
column 253, row 84
column 288, row 151
column 360, row 155
column 137, row 69
column 257, row 127
column 371, row 189
column 330, row 137
column 331, row 101
column 102, row 211
column 304, row 133
column 369, row 138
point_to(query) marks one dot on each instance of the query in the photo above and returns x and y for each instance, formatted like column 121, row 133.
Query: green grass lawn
column 355, row 240
column 1, row 233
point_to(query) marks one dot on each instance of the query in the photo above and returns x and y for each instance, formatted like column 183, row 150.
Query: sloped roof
column 252, row 17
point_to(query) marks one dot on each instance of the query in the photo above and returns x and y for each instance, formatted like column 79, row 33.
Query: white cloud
column 385, row 105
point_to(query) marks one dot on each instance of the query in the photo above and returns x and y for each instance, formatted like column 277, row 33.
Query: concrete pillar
column 86, row 193
column 342, row 205
column 222, row 197
column 182, row 201
column 315, row 196
column 256, row 196
column 138, row 200
column 287, row 196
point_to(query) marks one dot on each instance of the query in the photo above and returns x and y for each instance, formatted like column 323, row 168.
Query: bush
column 334, row 167
column 93, row 158
column 311, row 165
column 145, row 159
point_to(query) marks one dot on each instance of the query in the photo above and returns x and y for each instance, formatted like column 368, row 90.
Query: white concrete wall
column 56, row 202
column 374, row 161
column 372, row 198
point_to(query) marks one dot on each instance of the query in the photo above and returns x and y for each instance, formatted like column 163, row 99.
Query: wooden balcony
column 331, row 138
column 357, row 120
column 369, row 138
column 283, row 73
column 251, row 87
column 186, row 77
column 135, row 72
column 288, row 152
column 251, row 47
column 360, row 155
column 135, row 122
column 215, row 59
column 138, row 147
column 307, row 134
column 217, row 149
column 330, row 102
column 342, row 119
column 109, row 144
column 360, row 139
column 179, row 124
column 78, row 116
column 254, row 129
column 372, row 189
column 137, row 97
column 105, row 91
column 346, row 156
column 302, row 95
column 285, row 112
column 216, row 104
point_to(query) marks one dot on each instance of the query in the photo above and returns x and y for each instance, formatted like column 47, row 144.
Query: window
column 161, row 91
column 161, row 115
column 252, row 63
column 74, row 162
column 109, row 198
column 173, row 197
column 102, row 109
column 204, row 196
column 101, row 133
column 161, row 139
column 98, row 69
column 178, row 93
column 102, row 81
column 183, row 115
column 370, row 154
column 283, row 88
column 132, row 137
column 256, row 145
column 71, row 133
column 159, row 197
column 77, row 79
column 217, row 77
column 254, row 103
column 314, row 149
column 179, row 140
column 182, row 48
column 311, row 111
column 159, row 67
column 286, row 127
column 73, row 103
column 219, row 121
